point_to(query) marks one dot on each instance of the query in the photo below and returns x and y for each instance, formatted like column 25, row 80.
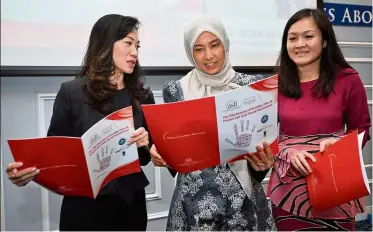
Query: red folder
column 82, row 166
column 196, row 134
column 339, row 175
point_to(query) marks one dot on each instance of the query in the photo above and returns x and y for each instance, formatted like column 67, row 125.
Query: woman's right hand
column 23, row 177
column 299, row 162
column 156, row 157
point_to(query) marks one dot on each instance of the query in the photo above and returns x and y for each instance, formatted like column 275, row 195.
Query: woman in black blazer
column 110, row 80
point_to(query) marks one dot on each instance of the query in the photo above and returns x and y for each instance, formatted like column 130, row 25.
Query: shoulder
column 349, row 83
column 149, row 98
column 347, row 74
column 348, row 77
column 170, row 87
column 72, row 91
column 247, row 79
column 72, row 86
column 172, row 91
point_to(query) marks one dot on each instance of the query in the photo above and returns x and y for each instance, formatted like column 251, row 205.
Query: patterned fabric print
column 288, row 222
column 288, row 189
column 213, row 199
column 245, row 79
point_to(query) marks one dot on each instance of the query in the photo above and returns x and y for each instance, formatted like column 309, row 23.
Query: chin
column 301, row 62
column 128, row 70
column 211, row 71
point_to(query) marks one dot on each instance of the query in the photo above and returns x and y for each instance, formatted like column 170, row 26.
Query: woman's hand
column 140, row 137
column 326, row 142
column 157, row 158
column 299, row 162
column 23, row 177
column 266, row 160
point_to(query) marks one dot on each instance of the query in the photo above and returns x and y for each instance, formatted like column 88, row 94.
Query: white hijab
column 197, row 83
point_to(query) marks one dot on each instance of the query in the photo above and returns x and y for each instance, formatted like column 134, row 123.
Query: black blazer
column 72, row 116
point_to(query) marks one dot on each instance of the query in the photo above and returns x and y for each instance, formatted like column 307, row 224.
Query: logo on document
column 122, row 141
column 232, row 105
column 93, row 139
column 264, row 119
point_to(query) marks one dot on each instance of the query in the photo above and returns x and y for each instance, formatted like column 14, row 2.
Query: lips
column 302, row 53
column 211, row 65
column 132, row 62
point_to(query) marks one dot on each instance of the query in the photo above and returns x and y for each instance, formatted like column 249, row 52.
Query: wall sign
column 349, row 15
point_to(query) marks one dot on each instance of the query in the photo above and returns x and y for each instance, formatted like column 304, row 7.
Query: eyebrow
column 294, row 33
column 199, row 45
column 132, row 38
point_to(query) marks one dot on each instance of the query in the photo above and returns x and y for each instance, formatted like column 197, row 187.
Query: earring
column 324, row 44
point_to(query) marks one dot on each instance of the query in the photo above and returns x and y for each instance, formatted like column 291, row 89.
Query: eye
column 129, row 43
column 215, row 45
column 291, row 38
column 198, row 49
column 138, row 47
column 309, row 36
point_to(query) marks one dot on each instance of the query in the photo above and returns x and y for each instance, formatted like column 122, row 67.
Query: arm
column 356, row 112
column 144, row 154
column 258, row 175
column 60, row 124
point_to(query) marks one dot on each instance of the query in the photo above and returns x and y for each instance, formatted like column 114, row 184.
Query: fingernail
column 33, row 169
column 37, row 171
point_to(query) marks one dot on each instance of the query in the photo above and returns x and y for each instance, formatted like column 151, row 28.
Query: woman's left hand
column 140, row 137
column 266, row 160
column 325, row 143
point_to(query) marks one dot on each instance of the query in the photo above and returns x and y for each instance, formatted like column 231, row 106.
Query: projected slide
column 55, row 32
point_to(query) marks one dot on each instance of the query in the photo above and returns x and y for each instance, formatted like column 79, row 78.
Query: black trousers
column 105, row 213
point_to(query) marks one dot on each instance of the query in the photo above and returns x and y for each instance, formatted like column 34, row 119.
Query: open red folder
column 197, row 134
column 339, row 175
column 81, row 166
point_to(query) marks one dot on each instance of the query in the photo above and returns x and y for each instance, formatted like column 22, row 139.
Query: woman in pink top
column 321, row 98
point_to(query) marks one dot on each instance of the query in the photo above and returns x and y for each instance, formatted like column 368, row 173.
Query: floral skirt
column 213, row 199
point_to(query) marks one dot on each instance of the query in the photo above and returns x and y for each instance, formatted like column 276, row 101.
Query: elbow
column 144, row 156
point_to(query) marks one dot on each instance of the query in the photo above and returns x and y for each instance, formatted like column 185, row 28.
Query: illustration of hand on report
column 243, row 139
column 105, row 159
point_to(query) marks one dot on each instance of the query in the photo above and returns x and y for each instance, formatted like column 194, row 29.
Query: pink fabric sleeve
column 282, row 164
column 356, row 112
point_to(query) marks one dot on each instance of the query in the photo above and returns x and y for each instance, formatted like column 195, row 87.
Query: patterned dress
column 304, row 123
column 213, row 199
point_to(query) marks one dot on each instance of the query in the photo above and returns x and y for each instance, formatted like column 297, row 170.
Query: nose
column 300, row 43
column 209, row 55
column 134, row 52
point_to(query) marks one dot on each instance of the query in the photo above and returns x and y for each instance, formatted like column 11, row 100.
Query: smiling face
column 209, row 53
column 304, row 42
column 125, row 52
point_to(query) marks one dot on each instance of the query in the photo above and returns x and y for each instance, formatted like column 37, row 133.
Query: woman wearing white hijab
column 224, row 197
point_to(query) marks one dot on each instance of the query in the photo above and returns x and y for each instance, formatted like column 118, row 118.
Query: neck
column 309, row 72
column 118, row 79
